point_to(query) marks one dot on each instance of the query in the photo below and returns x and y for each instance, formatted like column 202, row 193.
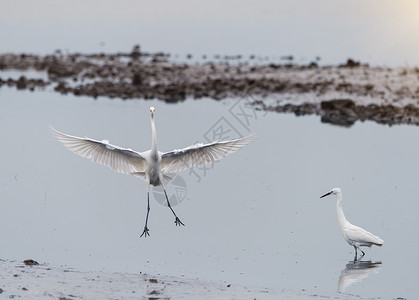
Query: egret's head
column 152, row 109
column 332, row 192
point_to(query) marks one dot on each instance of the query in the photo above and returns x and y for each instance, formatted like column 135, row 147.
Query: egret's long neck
column 153, row 136
column 339, row 209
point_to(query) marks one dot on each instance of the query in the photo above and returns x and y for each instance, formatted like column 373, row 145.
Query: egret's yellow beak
column 152, row 111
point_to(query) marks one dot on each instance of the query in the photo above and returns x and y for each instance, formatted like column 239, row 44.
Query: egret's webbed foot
column 145, row 232
column 178, row 222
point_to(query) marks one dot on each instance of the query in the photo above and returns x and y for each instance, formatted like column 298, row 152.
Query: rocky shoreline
column 340, row 94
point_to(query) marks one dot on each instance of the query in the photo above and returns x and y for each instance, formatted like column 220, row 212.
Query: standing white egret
column 354, row 235
column 150, row 165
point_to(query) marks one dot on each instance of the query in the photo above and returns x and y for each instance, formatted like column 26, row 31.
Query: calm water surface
column 253, row 219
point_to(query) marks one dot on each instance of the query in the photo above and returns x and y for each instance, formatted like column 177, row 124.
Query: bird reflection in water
column 356, row 271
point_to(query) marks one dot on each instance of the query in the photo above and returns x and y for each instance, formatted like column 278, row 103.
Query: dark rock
column 369, row 87
column 338, row 104
column 136, row 52
column 137, row 79
column 339, row 112
column 21, row 83
column 154, row 293
column 350, row 63
column 62, row 88
column 313, row 65
column 60, row 70
column 274, row 66
column 30, row 262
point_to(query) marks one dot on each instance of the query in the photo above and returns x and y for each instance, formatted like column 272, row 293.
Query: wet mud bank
column 340, row 94
column 345, row 112
column 41, row 281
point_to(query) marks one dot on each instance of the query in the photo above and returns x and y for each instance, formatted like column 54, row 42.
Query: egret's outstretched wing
column 359, row 234
column 200, row 154
column 119, row 159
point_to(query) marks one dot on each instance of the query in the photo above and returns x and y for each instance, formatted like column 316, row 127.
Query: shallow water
column 253, row 219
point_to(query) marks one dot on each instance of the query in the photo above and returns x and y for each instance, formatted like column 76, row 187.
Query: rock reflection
column 356, row 271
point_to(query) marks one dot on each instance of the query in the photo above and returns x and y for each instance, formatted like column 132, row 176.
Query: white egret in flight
column 354, row 235
column 152, row 164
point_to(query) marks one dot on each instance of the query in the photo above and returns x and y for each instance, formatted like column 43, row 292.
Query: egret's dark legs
column 363, row 253
column 145, row 232
column 177, row 221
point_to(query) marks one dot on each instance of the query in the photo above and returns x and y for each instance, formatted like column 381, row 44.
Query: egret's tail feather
column 379, row 242
column 139, row 174
column 166, row 178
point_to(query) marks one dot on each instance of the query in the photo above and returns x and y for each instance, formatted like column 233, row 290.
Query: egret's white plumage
column 354, row 235
column 150, row 165
column 199, row 154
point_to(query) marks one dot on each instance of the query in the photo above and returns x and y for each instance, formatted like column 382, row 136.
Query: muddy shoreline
column 41, row 281
column 340, row 95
